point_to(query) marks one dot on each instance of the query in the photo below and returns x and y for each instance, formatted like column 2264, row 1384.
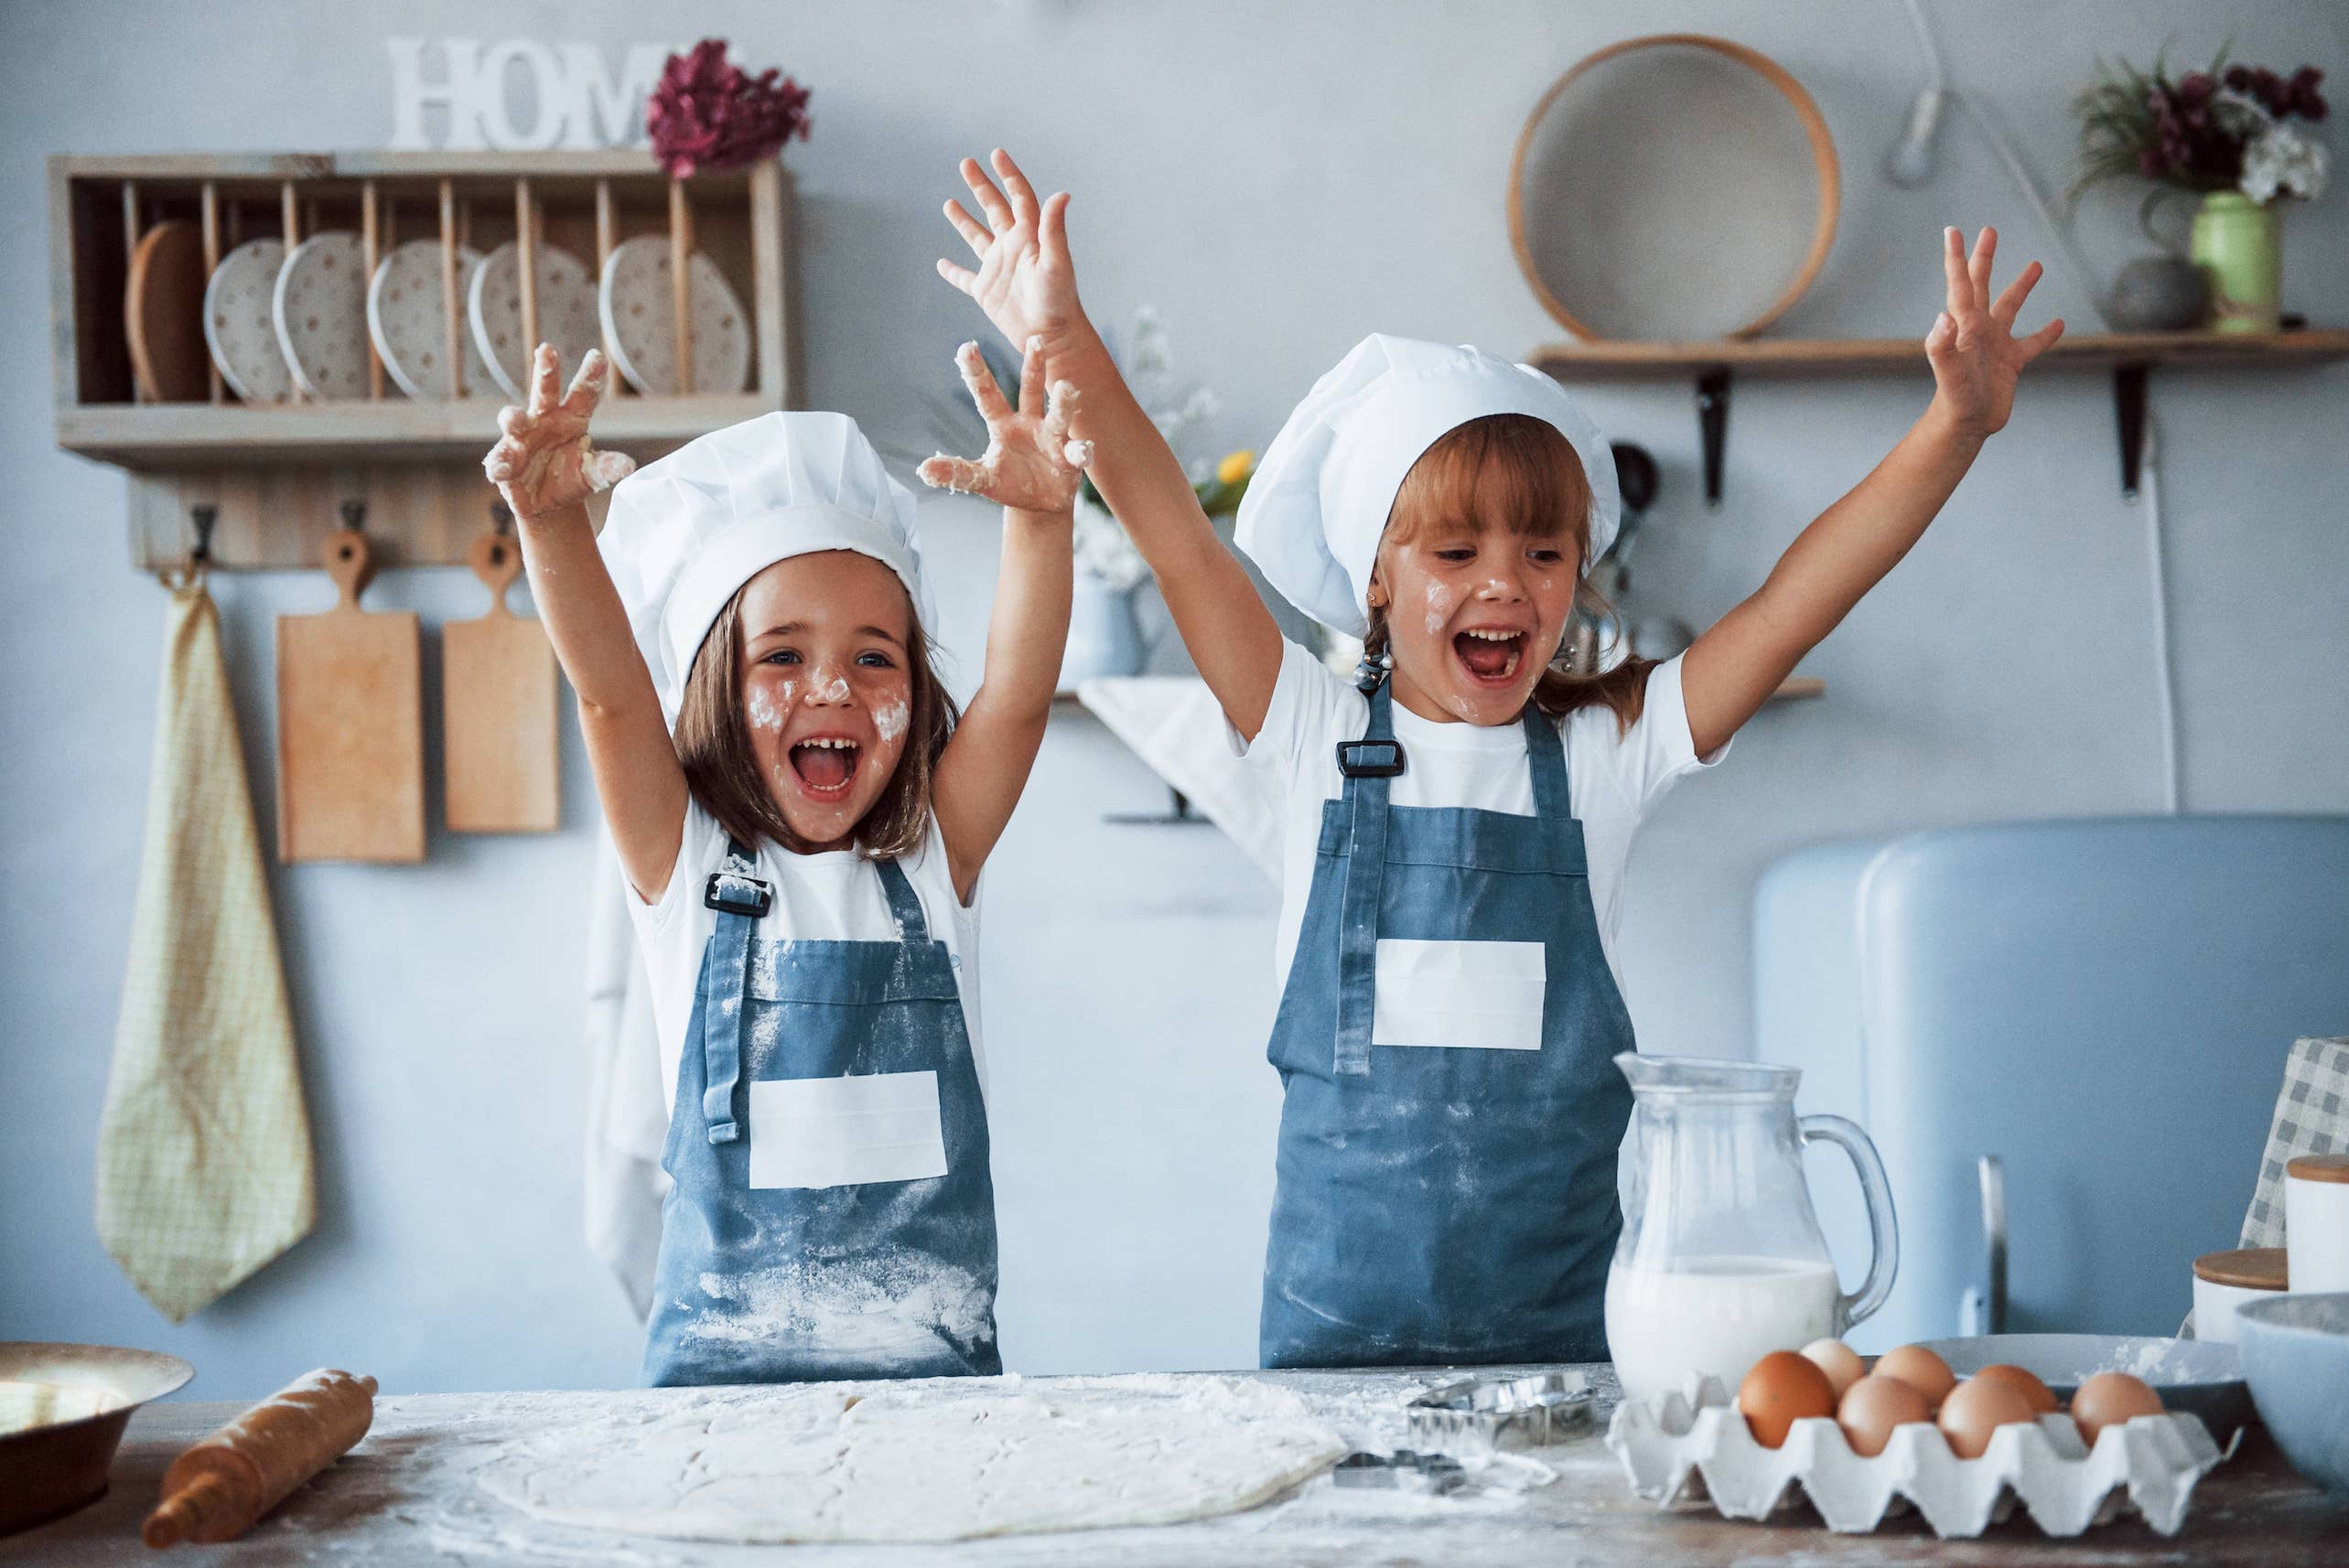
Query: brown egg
column 2107, row 1400
column 1781, row 1389
column 1977, row 1407
column 1872, row 1407
column 2042, row 1397
column 1839, row 1360
column 1921, row 1369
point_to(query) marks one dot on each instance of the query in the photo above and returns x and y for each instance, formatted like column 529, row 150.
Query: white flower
column 1103, row 552
column 2282, row 162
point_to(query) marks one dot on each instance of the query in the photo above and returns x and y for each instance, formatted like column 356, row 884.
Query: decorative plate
column 640, row 315
column 408, row 320
column 237, row 325
column 567, row 312
column 320, row 311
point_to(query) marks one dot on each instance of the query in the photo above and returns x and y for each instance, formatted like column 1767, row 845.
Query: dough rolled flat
column 947, row 1459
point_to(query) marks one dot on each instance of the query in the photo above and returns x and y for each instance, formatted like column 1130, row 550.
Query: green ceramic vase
column 2237, row 249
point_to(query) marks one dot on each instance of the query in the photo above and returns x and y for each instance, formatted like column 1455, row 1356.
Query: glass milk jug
column 1721, row 1259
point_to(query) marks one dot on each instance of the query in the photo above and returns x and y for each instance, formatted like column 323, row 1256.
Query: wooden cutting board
column 349, row 725
column 162, row 314
column 498, row 717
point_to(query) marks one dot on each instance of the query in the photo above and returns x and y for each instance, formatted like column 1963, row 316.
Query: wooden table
column 405, row 1495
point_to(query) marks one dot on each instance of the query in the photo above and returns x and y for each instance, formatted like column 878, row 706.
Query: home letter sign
column 572, row 102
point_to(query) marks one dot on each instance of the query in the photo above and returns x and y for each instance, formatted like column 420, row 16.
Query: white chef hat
column 684, row 532
column 1315, row 511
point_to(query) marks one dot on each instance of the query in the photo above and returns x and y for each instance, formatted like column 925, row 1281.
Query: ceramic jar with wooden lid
column 2316, row 1221
column 2224, row 1280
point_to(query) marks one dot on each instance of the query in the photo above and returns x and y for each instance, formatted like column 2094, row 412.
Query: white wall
column 1278, row 179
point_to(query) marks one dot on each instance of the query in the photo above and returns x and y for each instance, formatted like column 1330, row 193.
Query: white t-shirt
column 832, row 896
column 1614, row 780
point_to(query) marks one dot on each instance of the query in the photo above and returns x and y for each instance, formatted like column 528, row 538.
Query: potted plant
column 2236, row 134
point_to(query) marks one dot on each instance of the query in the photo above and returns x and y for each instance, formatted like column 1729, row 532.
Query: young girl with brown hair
column 1457, row 828
column 804, row 852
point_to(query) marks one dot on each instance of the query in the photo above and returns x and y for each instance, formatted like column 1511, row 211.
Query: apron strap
column 739, row 899
column 1545, row 754
column 1367, row 765
column 903, row 904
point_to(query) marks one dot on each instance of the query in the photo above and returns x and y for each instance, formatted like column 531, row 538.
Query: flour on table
column 945, row 1459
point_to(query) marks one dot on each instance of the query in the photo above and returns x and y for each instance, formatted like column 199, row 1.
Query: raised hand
column 1024, row 281
column 545, row 461
column 1976, row 355
column 1030, row 462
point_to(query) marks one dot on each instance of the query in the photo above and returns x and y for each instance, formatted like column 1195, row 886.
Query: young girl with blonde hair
column 1457, row 828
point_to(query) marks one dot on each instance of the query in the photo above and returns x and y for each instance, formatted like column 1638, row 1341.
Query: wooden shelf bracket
column 2128, row 413
column 1713, row 426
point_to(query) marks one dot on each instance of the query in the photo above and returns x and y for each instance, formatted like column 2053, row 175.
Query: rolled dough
column 944, row 1459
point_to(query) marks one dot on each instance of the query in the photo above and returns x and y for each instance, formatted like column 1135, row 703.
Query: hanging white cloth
column 1174, row 723
column 628, row 1105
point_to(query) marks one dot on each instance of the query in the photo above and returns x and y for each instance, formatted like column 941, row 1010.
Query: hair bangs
column 1502, row 471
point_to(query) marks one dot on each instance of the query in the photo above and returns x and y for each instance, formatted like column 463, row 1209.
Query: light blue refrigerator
column 2066, row 1037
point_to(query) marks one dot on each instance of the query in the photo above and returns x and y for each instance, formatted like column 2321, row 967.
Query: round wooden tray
column 1666, row 205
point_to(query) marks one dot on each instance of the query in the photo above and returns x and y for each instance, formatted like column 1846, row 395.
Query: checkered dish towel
column 2311, row 1118
column 204, row 1146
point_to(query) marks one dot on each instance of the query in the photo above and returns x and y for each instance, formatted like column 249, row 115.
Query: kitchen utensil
column 1404, row 1470
column 2198, row 1377
column 1721, row 1260
column 567, row 312
column 498, row 715
column 2316, row 1222
column 2064, row 1484
column 1484, row 1416
column 636, row 306
column 319, row 310
column 162, row 313
column 2224, row 1280
column 350, row 724
column 408, row 319
column 1676, row 186
column 220, row 1488
column 239, row 326
column 62, row 1411
column 2296, row 1359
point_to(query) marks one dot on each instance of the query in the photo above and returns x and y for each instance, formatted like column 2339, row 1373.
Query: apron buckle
column 731, row 893
column 1369, row 759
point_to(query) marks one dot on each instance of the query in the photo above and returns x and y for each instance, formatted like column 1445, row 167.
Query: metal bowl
column 62, row 1411
column 2194, row 1377
column 2296, row 1350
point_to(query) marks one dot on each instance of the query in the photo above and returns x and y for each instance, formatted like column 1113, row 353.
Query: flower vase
column 1104, row 636
column 2237, row 248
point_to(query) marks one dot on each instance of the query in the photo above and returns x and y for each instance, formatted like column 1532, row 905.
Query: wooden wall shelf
column 2127, row 356
column 281, row 476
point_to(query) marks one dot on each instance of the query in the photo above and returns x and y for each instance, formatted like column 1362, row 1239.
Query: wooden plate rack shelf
column 2127, row 356
column 279, row 477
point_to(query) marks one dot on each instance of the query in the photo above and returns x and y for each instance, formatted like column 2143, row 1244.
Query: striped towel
column 204, row 1146
column 2311, row 1118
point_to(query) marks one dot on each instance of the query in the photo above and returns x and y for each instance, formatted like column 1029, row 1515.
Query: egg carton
column 1698, row 1445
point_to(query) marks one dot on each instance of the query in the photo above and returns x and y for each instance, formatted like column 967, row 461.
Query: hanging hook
column 502, row 517
column 354, row 515
column 203, row 517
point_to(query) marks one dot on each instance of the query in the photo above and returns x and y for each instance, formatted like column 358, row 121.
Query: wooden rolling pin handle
column 220, row 1487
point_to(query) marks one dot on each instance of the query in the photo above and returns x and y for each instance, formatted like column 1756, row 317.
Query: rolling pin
column 220, row 1487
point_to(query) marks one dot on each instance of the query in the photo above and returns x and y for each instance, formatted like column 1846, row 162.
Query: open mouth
column 1490, row 655
column 827, row 765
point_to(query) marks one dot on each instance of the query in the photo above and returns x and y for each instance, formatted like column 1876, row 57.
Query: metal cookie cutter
column 1404, row 1470
column 1484, row 1416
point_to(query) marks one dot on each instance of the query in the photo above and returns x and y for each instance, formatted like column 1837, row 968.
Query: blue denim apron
column 1444, row 1203
column 851, row 1060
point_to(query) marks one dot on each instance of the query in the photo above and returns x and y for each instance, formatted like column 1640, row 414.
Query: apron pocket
column 843, row 1131
column 1484, row 995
